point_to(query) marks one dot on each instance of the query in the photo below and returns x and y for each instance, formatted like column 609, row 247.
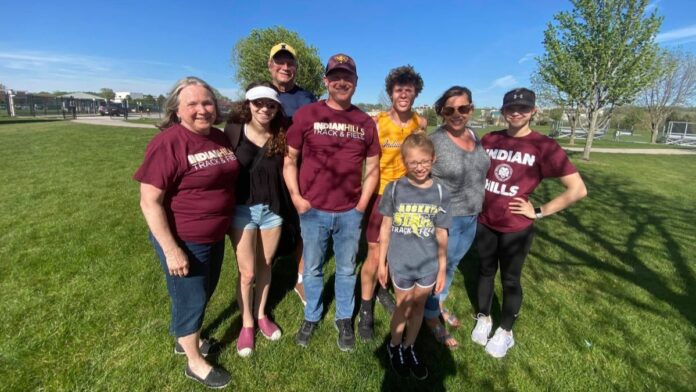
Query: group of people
column 287, row 163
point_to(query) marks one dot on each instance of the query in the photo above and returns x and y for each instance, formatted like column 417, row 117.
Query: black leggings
column 510, row 249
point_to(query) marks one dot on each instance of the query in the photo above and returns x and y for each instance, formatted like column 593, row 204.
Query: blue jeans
column 190, row 294
column 316, row 227
column 461, row 235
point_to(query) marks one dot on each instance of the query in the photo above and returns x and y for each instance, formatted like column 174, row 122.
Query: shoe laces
column 307, row 327
column 413, row 355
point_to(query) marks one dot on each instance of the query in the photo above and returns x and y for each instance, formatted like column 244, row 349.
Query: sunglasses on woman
column 259, row 103
column 449, row 110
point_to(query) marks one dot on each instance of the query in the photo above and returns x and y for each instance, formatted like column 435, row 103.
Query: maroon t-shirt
column 517, row 166
column 197, row 173
column 333, row 145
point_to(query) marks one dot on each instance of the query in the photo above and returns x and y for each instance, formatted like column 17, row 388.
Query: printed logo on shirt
column 342, row 130
column 215, row 157
column 415, row 218
column 391, row 144
column 511, row 156
column 503, row 172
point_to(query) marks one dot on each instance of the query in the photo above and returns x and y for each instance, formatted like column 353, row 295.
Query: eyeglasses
column 518, row 108
column 259, row 103
column 449, row 110
column 414, row 164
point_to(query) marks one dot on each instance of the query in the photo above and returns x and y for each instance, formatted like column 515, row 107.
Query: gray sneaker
column 346, row 337
column 386, row 300
column 305, row 333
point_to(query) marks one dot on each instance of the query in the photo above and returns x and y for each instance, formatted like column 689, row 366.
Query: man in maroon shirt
column 334, row 138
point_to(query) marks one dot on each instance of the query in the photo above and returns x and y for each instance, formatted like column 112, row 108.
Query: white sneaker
column 500, row 343
column 482, row 329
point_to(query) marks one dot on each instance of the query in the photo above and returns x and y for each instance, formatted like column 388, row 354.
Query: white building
column 121, row 95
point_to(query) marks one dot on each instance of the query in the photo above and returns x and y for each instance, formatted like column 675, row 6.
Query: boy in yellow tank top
column 403, row 84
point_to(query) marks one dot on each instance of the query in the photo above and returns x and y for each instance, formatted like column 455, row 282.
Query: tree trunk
column 593, row 115
column 572, row 131
column 654, row 130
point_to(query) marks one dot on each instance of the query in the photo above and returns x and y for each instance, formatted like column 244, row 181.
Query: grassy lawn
column 610, row 286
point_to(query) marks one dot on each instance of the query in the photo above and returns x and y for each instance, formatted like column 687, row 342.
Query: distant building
column 121, row 95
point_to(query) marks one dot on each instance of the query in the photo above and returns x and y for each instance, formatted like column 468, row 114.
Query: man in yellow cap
column 282, row 64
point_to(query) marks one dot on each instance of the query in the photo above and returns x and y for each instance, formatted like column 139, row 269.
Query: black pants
column 510, row 250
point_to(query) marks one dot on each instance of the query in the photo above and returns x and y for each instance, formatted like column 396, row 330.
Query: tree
column 430, row 115
column 675, row 86
column 107, row 93
column 600, row 54
column 250, row 58
column 548, row 94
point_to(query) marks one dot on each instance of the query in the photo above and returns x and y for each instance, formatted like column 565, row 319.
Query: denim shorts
column 258, row 216
column 408, row 284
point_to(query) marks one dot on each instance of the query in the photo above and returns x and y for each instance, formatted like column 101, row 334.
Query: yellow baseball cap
column 280, row 47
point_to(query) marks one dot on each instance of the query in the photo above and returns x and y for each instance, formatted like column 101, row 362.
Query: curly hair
column 171, row 105
column 241, row 114
column 403, row 75
column 453, row 91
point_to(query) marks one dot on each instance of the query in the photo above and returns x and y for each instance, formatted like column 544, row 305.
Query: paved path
column 644, row 151
column 110, row 121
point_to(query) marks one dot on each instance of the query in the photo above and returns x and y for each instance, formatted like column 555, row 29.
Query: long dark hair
column 241, row 114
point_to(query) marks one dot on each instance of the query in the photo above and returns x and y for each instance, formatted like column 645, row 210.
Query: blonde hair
column 171, row 105
column 417, row 140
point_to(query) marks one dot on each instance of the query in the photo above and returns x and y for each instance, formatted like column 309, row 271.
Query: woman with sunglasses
column 461, row 167
column 520, row 159
column 256, row 128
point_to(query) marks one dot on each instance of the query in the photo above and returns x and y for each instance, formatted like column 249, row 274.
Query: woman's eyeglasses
column 449, row 110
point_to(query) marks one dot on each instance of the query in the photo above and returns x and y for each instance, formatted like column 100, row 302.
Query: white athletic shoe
column 500, row 343
column 482, row 329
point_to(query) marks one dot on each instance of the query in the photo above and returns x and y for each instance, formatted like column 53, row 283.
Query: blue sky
column 145, row 46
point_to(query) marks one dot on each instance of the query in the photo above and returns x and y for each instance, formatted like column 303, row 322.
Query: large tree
column 550, row 95
column 675, row 86
column 600, row 54
column 107, row 93
column 250, row 58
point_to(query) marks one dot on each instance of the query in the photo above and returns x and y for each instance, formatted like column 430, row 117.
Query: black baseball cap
column 519, row 96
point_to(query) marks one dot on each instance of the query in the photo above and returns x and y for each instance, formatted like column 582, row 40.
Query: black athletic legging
column 510, row 249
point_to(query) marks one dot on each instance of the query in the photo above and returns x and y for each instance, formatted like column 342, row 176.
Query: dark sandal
column 205, row 347
column 450, row 318
column 442, row 336
column 218, row 378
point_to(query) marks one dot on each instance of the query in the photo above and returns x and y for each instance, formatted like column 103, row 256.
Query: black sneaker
column 365, row 325
column 305, row 333
column 418, row 369
column 386, row 300
column 206, row 347
column 396, row 357
column 346, row 337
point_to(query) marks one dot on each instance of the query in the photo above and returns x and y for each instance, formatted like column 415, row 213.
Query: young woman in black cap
column 520, row 159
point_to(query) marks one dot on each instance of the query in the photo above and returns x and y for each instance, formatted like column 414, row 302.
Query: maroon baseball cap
column 341, row 61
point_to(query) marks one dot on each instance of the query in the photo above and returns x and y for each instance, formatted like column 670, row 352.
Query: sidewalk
column 642, row 151
column 110, row 121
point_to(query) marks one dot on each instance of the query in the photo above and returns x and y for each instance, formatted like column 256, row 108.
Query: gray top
column 416, row 212
column 463, row 173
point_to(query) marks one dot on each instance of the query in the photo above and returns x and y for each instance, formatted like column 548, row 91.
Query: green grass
column 610, row 286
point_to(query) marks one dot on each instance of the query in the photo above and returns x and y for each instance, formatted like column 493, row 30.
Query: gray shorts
column 405, row 284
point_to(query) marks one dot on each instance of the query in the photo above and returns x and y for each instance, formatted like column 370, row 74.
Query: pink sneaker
column 269, row 329
column 245, row 342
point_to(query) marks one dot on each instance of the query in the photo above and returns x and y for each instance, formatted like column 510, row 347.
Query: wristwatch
column 538, row 213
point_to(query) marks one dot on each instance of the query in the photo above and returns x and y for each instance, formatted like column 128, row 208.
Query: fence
column 36, row 105
column 681, row 133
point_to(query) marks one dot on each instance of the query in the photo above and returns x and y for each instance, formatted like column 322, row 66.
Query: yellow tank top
column 391, row 135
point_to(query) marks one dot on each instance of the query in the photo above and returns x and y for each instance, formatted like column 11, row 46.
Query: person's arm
column 575, row 190
column 370, row 181
column 441, row 235
column 290, row 174
column 384, row 236
column 151, row 203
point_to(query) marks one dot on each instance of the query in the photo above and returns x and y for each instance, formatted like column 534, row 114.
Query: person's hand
column 177, row 262
column 523, row 207
column 301, row 204
column 440, row 282
column 382, row 273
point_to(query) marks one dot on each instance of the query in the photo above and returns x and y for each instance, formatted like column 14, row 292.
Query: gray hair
column 171, row 105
